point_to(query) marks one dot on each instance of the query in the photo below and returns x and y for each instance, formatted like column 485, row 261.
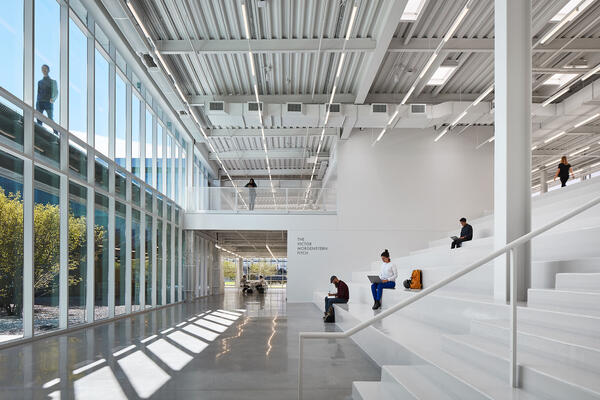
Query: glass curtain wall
column 51, row 206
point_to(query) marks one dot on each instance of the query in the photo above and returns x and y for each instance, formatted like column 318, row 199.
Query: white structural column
column 543, row 181
column 512, row 155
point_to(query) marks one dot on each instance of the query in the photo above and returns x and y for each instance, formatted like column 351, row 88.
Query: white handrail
column 506, row 249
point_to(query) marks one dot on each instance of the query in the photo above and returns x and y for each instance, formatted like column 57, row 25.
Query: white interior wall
column 398, row 194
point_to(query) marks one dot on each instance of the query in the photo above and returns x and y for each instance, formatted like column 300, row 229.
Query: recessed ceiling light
column 441, row 75
column 560, row 79
column 412, row 10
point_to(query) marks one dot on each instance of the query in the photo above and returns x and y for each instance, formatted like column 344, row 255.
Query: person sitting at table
column 244, row 284
column 388, row 275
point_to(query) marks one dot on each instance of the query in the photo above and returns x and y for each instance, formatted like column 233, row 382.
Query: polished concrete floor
column 220, row 347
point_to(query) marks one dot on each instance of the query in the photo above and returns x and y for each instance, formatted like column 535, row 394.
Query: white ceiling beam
column 264, row 46
column 392, row 14
column 274, row 172
column 260, row 154
column 487, row 45
column 272, row 132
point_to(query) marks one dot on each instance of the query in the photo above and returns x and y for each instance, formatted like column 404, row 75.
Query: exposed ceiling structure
column 252, row 243
column 366, row 52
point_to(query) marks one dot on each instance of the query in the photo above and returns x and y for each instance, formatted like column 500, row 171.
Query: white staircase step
column 537, row 373
column 563, row 347
column 586, row 303
column 578, row 281
column 425, row 382
column 366, row 390
column 400, row 339
column 567, row 322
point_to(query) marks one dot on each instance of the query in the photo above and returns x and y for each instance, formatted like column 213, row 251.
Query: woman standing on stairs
column 388, row 275
column 563, row 171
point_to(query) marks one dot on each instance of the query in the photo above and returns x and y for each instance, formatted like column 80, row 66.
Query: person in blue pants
column 388, row 275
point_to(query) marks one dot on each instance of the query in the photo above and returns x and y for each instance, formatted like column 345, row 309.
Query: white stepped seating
column 454, row 343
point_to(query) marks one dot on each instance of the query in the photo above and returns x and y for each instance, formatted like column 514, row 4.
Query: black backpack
column 330, row 316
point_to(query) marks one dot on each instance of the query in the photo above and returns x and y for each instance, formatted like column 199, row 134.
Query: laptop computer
column 454, row 237
column 374, row 278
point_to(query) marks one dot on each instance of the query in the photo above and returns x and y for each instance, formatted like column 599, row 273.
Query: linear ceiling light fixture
column 587, row 75
column 555, row 96
column 586, row 121
column 582, row 5
column 258, row 107
column 179, row 91
column 333, row 90
column 384, row 130
column 270, row 252
column 579, row 151
column 551, row 138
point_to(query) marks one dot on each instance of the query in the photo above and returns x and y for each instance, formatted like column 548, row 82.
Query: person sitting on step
column 341, row 296
column 388, row 275
column 466, row 234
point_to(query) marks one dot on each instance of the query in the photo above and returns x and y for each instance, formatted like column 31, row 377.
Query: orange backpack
column 415, row 279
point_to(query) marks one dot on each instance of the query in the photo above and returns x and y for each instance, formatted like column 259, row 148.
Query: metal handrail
column 508, row 249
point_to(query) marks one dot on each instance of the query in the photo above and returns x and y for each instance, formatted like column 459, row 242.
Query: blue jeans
column 42, row 106
column 331, row 300
column 377, row 289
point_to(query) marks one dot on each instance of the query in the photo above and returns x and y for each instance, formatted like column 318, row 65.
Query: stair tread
column 369, row 390
column 416, row 379
column 569, row 373
column 425, row 342
column 551, row 334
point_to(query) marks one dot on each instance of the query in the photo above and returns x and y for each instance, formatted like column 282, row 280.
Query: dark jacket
column 467, row 232
column 342, row 290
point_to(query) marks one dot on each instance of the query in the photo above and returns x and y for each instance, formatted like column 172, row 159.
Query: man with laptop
column 466, row 234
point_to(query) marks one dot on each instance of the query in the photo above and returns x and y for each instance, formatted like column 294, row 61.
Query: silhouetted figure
column 564, row 168
column 46, row 94
column 251, row 193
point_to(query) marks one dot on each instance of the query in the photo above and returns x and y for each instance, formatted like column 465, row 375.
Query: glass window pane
column 101, row 37
column 101, row 173
column 176, row 172
column 135, row 193
column 159, row 205
column 101, row 262
column 148, row 201
column 77, row 81
column 11, row 123
column 47, row 57
column 120, row 257
column 77, row 160
column 46, row 254
column 11, row 242
column 77, row 253
column 135, row 260
column 148, row 163
column 11, row 46
column 169, row 263
column 135, row 136
column 120, row 185
column 159, row 157
column 169, row 208
column 120, row 122
column 169, row 166
column 101, row 104
column 176, row 266
column 47, row 144
column 148, row 261
column 159, row 266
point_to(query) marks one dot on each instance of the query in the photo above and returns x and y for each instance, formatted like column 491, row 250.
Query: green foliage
column 263, row 268
column 46, row 257
column 229, row 270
